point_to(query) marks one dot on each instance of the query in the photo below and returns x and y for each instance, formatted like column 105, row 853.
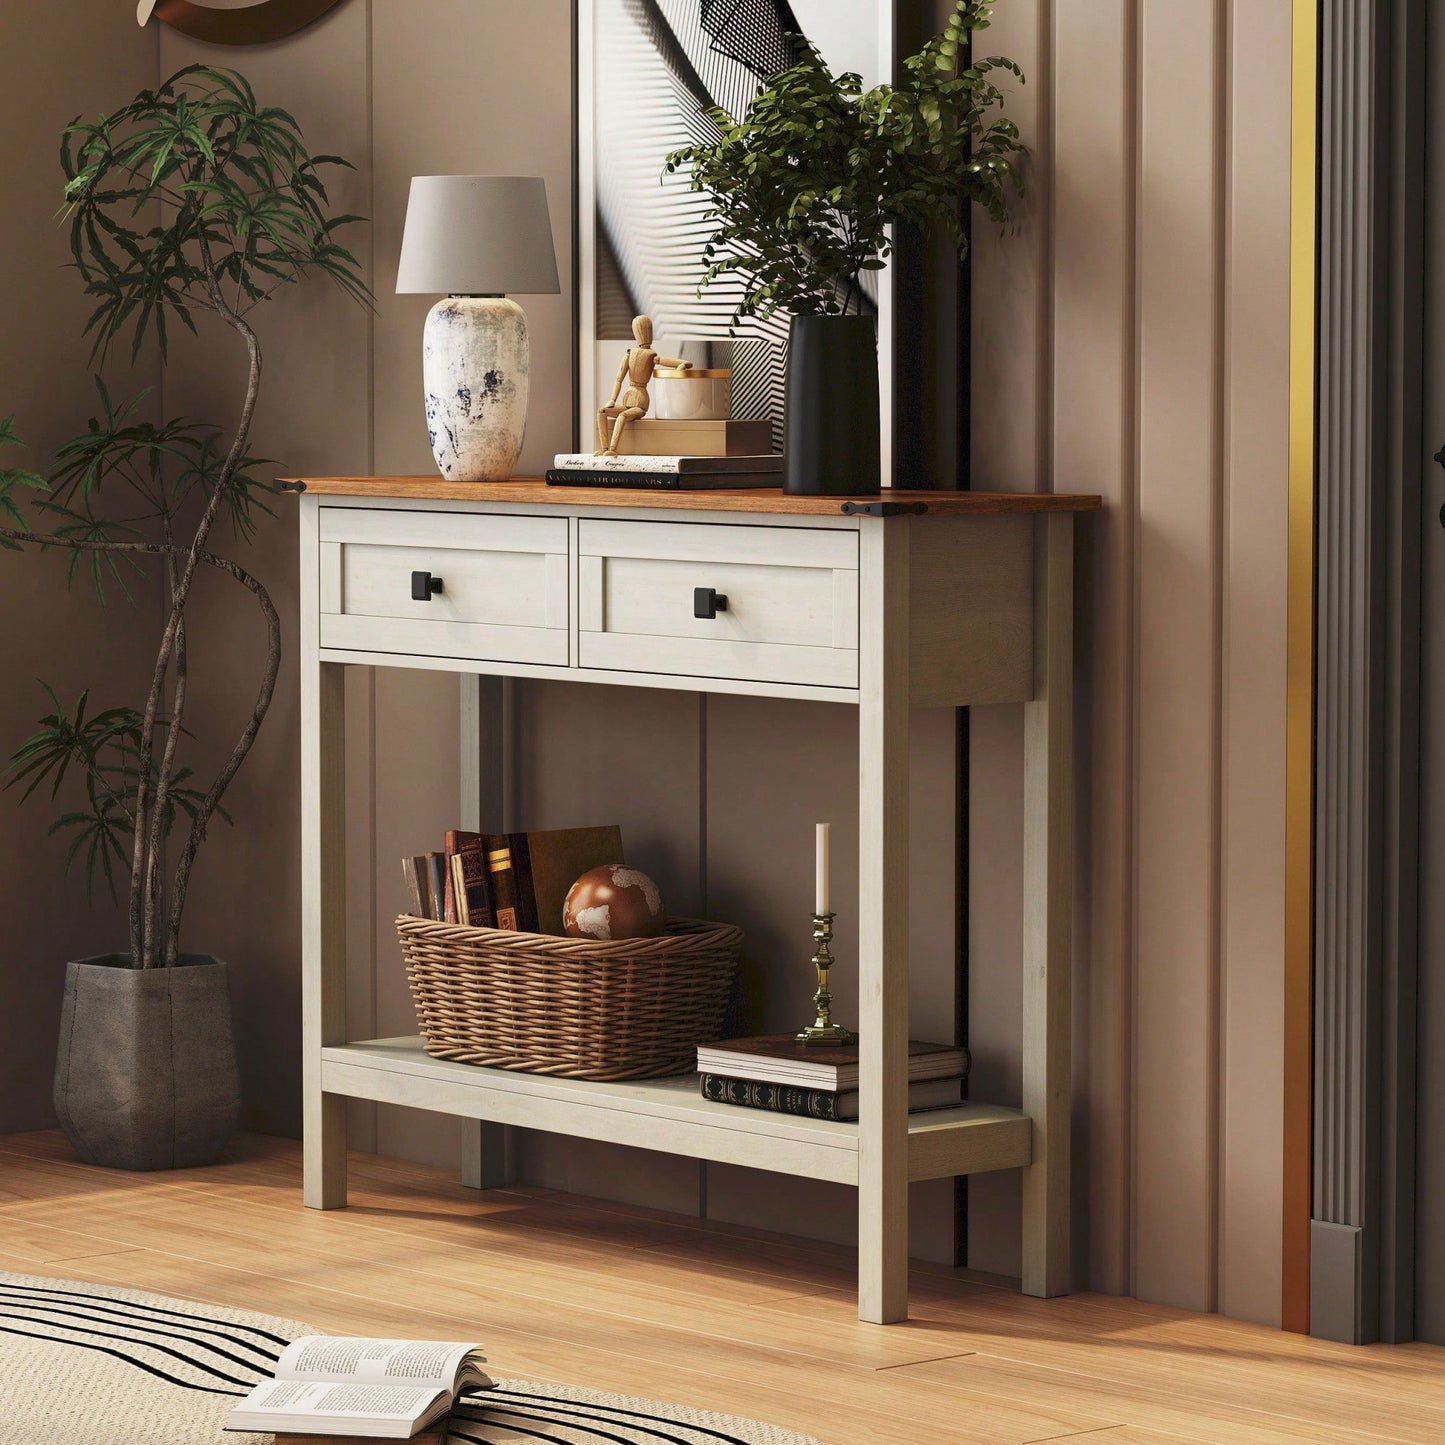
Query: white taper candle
column 824, row 832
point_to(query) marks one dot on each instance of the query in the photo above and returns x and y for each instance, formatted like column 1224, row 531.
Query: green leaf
column 191, row 203
column 806, row 184
column 223, row 169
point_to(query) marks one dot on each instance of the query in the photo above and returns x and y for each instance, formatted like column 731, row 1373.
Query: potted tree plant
column 193, row 201
column 805, row 189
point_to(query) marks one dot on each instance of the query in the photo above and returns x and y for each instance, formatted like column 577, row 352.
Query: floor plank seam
column 93, row 1254
column 1077, row 1434
column 932, row 1360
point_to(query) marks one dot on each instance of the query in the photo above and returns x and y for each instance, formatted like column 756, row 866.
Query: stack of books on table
column 777, row 1072
column 677, row 456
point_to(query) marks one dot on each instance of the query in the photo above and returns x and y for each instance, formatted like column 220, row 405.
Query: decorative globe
column 613, row 902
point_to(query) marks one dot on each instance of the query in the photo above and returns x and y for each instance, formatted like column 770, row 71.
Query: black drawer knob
column 708, row 602
column 424, row 586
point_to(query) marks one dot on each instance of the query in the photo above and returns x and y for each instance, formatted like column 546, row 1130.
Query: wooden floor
column 727, row 1319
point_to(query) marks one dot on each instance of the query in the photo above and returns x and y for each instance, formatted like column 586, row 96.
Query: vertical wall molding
column 1093, row 417
column 1296, row 1060
column 1157, row 227
column 1179, row 719
column 1254, row 526
column 1366, row 638
column 1405, row 457
column 1348, row 676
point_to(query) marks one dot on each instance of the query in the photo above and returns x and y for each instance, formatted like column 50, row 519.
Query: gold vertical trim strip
column 1300, row 680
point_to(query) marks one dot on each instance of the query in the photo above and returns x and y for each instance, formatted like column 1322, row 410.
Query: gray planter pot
column 145, row 1077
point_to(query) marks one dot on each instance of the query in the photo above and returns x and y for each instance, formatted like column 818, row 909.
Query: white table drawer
column 504, row 592
column 792, row 601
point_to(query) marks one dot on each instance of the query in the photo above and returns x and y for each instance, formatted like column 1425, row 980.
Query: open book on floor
column 372, row 1389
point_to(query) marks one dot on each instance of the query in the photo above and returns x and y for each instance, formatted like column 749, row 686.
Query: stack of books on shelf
column 515, row 881
column 677, row 456
column 777, row 1072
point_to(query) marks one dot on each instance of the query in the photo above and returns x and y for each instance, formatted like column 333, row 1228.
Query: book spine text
column 780, row 1098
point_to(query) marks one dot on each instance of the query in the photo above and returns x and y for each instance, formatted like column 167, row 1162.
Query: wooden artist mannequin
column 638, row 364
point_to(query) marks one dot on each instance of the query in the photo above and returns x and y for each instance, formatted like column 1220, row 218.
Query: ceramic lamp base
column 476, row 364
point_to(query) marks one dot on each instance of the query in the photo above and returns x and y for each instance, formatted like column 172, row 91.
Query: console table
column 915, row 599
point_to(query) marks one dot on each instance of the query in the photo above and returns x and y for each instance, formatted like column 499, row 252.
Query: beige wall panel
column 449, row 94
column 625, row 755
column 313, row 416
column 1009, row 416
column 1176, row 999
column 610, row 1171
column 417, row 793
column 1093, row 396
column 1147, row 388
column 1255, row 601
column 363, row 865
column 816, row 1209
column 470, row 87
column 774, row 769
column 933, row 884
column 49, row 74
column 933, row 872
column 1010, row 427
column 995, row 967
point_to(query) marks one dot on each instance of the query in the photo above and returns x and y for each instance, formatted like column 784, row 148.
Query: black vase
column 830, row 424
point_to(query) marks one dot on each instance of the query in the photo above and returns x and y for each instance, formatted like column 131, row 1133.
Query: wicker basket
column 635, row 1009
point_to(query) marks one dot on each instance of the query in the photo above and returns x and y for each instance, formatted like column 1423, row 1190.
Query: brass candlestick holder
column 823, row 1030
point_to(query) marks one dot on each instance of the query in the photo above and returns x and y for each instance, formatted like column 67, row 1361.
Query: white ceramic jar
column 694, row 394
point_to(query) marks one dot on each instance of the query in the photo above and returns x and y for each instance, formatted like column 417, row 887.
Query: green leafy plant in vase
column 192, row 204
column 806, row 190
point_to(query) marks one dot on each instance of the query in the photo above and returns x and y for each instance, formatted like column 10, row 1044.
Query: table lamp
column 476, row 238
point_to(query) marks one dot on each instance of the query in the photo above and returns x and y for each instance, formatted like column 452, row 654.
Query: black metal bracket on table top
column 281, row 485
column 884, row 509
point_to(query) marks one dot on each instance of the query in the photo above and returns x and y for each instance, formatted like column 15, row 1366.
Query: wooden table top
column 741, row 499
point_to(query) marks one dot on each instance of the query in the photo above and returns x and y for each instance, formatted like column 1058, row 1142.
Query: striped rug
column 83, row 1364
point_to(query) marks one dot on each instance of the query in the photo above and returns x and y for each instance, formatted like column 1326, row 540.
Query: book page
column 432, row 1363
column 302, row 1398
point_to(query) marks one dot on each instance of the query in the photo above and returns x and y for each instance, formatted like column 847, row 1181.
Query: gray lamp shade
column 477, row 236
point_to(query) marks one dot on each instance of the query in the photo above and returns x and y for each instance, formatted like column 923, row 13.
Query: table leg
column 883, row 738
column 487, row 1155
column 323, row 886
column 486, row 1148
column 1048, row 914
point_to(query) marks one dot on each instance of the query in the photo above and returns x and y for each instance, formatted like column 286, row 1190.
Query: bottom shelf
column 669, row 1115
